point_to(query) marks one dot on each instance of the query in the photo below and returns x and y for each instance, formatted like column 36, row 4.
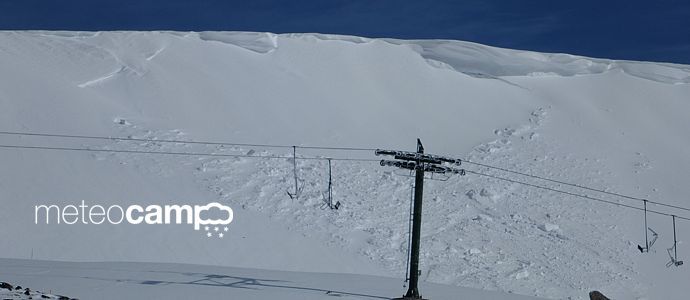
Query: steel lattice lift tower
column 419, row 163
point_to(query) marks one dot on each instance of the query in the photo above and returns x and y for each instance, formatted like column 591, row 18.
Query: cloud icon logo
column 198, row 220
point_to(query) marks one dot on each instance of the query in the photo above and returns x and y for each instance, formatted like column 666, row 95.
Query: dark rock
column 596, row 295
column 19, row 287
column 27, row 291
column 5, row 285
column 44, row 296
column 63, row 298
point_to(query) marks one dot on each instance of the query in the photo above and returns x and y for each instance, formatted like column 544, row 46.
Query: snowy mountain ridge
column 477, row 59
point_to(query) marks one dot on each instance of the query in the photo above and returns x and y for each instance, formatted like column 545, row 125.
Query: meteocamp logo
column 197, row 215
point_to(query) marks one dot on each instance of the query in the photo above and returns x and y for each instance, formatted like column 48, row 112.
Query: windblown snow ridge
column 470, row 58
column 486, row 61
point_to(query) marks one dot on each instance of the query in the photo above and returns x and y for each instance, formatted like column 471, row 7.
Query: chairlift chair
column 328, row 195
column 648, row 244
column 673, row 251
column 655, row 236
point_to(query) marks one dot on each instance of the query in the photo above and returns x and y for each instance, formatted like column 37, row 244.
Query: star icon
column 206, row 228
column 209, row 234
column 220, row 235
column 216, row 229
column 225, row 229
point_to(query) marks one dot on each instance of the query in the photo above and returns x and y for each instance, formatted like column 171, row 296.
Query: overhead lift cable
column 295, row 147
column 132, row 139
column 180, row 153
column 573, row 194
column 576, row 185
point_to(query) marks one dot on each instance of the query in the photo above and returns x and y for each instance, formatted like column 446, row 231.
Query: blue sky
column 654, row 30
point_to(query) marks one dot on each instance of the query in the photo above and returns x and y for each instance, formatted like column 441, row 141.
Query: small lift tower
column 419, row 163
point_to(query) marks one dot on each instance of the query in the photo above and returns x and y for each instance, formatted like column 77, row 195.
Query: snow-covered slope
column 178, row 281
column 609, row 124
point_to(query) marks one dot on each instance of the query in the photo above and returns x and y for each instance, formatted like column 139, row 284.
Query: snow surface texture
column 178, row 281
column 610, row 124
